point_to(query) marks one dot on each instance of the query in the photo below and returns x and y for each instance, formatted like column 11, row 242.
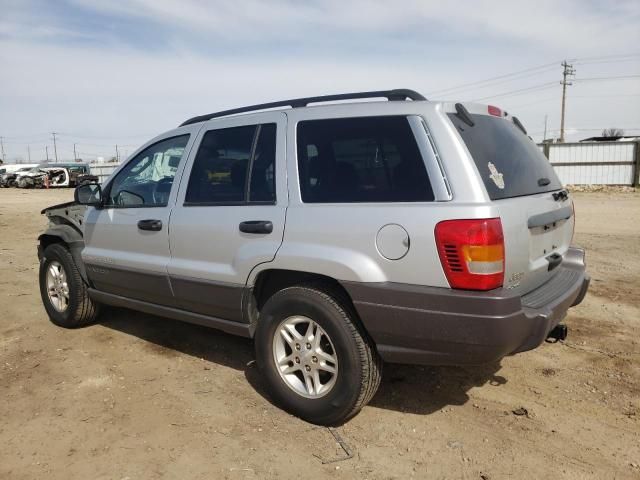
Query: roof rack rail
column 392, row 95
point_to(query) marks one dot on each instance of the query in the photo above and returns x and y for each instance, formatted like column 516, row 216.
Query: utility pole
column 544, row 138
column 75, row 157
column 117, row 155
column 55, row 148
column 46, row 151
column 29, row 153
column 568, row 71
column 2, row 146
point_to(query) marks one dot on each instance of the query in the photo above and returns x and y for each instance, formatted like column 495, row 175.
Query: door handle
column 150, row 225
column 256, row 226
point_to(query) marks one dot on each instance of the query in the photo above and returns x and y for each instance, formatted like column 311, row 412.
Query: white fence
column 595, row 163
column 103, row 170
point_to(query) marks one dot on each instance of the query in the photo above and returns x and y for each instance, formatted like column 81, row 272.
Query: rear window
column 366, row 159
column 510, row 164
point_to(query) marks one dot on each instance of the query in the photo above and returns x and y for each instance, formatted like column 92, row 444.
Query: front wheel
column 318, row 362
column 64, row 294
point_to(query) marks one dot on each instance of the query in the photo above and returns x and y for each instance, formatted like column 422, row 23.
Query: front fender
column 69, row 236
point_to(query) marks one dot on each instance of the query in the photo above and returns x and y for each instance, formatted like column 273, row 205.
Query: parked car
column 49, row 175
column 10, row 177
column 336, row 236
column 76, row 173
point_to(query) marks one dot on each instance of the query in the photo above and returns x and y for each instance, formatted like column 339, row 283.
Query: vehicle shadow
column 166, row 337
column 424, row 390
column 404, row 388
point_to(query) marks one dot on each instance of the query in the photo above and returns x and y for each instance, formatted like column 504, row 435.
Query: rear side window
column 510, row 164
column 225, row 160
column 366, row 159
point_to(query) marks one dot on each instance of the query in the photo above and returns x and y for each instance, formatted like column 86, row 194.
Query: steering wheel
column 162, row 189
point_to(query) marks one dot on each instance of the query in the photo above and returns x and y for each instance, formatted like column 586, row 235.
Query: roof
column 617, row 138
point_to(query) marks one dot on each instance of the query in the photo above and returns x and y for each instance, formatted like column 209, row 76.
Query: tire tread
column 371, row 362
column 86, row 310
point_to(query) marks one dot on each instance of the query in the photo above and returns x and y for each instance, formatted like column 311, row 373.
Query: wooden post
column 636, row 166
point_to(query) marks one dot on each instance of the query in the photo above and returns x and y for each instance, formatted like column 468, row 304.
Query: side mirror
column 88, row 194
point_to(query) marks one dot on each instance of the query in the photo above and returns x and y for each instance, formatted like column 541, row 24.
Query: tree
column 612, row 132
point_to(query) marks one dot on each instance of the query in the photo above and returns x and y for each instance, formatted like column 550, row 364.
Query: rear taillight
column 472, row 253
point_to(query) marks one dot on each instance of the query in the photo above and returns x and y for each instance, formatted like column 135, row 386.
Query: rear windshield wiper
column 519, row 125
column 464, row 114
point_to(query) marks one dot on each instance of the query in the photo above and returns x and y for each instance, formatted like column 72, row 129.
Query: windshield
column 510, row 164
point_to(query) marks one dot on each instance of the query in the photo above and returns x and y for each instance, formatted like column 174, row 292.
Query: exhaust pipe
column 559, row 332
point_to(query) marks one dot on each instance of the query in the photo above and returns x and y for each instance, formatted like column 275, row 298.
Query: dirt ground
column 140, row 397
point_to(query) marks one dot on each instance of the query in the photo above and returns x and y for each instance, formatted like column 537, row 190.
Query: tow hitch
column 559, row 332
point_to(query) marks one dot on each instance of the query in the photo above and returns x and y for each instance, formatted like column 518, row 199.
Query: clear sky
column 107, row 72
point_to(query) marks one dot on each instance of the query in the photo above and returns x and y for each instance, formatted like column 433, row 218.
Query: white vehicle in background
column 49, row 176
column 14, row 167
column 42, row 177
column 10, row 176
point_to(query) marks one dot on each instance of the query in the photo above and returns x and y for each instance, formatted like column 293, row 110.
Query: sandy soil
column 137, row 396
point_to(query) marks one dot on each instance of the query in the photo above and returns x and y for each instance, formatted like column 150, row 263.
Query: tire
column 77, row 310
column 335, row 398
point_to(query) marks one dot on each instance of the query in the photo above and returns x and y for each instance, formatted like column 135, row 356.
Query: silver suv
column 335, row 236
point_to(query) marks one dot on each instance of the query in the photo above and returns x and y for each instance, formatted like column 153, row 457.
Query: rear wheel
column 64, row 294
column 317, row 360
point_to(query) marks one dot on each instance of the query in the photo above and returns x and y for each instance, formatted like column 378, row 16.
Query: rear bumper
column 439, row 326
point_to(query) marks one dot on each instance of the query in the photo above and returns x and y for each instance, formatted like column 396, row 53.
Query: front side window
column 147, row 179
column 367, row 159
column 226, row 158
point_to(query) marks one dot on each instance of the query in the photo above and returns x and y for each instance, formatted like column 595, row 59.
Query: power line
column 630, row 129
column 554, row 99
column 606, row 57
column 519, row 91
column 622, row 60
column 493, row 84
column 619, row 77
column 102, row 137
column 46, row 134
column 546, row 66
column 539, row 69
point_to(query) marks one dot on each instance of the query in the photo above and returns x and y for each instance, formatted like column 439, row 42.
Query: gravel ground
column 140, row 397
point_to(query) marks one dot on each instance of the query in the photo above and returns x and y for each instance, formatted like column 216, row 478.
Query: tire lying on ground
column 64, row 294
column 316, row 358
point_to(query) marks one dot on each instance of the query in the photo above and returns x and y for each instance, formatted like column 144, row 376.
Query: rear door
column 230, row 212
column 127, row 242
column 536, row 219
